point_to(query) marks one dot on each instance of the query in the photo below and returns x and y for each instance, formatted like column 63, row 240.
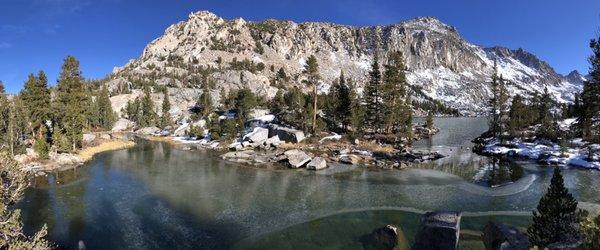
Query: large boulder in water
column 504, row 237
column 285, row 134
column 297, row 158
column 438, row 230
column 388, row 237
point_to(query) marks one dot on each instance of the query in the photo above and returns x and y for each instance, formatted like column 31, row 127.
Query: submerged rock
column 438, row 230
column 388, row 237
column 504, row 237
column 297, row 158
column 317, row 163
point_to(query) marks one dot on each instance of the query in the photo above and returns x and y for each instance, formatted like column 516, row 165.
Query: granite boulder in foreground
column 438, row 230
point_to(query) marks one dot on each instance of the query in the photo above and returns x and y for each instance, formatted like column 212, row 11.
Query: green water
column 156, row 196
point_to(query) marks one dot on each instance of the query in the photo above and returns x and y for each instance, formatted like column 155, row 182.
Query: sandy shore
column 87, row 154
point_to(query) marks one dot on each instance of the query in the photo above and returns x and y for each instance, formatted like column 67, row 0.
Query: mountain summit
column 232, row 54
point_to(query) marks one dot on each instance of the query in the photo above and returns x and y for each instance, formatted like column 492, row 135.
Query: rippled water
column 155, row 196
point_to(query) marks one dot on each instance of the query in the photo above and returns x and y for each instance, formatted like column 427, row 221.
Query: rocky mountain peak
column 428, row 23
column 233, row 54
column 576, row 77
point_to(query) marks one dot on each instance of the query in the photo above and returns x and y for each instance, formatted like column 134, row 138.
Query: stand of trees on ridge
column 509, row 118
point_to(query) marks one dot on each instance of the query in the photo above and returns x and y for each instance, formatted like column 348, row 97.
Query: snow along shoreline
column 545, row 152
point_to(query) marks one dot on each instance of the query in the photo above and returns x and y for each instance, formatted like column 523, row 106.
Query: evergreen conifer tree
column 498, row 104
column 204, row 103
column 71, row 94
column 165, row 119
column 589, row 114
column 429, row 121
column 372, row 98
column 4, row 117
column 36, row 97
column 311, row 69
column 106, row 115
column 517, row 115
column 344, row 98
column 396, row 104
column 556, row 217
column 147, row 114
column 357, row 112
column 545, row 118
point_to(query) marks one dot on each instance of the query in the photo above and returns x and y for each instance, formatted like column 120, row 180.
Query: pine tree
column 147, row 114
column 357, row 112
column 71, row 94
column 589, row 115
column 17, row 126
column 244, row 101
column 429, row 121
column 338, row 103
column 106, row 115
column 132, row 110
column 36, row 97
column 498, row 104
column 545, row 118
column 517, row 116
column 311, row 69
column 204, row 102
column 556, row 218
column 165, row 119
column 396, row 105
column 372, row 96
column 4, row 117
column 344, row 97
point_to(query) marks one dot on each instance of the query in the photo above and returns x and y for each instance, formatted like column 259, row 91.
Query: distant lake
column 156, row 196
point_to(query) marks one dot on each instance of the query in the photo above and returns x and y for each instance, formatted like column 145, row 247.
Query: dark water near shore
column 155, row 196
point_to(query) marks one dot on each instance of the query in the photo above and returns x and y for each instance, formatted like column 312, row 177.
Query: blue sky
column 102, row 34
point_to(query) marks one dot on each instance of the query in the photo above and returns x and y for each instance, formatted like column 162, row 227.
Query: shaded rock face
column 504, row 237
column 285, row 134
column 441, row 64
column 438, row 230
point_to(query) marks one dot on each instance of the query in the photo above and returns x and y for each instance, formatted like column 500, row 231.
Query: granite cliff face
column 441, row 64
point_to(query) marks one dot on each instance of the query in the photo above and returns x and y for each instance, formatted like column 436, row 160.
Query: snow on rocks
column 544, row 152
column 257, row 137
column 331, row 137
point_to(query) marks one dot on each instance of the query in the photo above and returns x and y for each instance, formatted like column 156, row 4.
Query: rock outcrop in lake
column 438, row 230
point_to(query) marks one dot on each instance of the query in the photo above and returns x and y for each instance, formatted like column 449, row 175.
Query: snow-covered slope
column 441, row 64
